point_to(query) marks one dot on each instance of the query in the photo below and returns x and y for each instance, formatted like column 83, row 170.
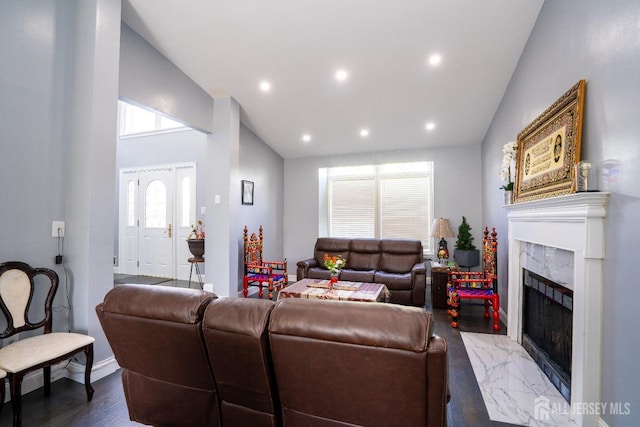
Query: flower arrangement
column 334, row 263
column 508, row 155
column 197, row 231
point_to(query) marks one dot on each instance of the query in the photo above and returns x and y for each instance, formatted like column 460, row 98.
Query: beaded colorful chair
column 477, row 285
column 258, row 272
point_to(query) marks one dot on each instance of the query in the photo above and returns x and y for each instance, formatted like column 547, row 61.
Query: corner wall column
column 223, row 254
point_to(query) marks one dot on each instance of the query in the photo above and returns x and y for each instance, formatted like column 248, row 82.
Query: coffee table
column 342, row 290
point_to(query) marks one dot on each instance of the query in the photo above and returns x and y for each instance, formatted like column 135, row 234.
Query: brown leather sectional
column 396, row 263
column 190, row 358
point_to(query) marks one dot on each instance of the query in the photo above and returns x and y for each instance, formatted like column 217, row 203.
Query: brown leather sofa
column 396, row 263
column 188, row 358
column 155, row 333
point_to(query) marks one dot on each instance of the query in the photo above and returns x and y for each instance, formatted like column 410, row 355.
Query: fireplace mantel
column 574, row 223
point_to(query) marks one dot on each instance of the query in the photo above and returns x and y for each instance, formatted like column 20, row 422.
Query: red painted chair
column 258, row 272
column 474, row 285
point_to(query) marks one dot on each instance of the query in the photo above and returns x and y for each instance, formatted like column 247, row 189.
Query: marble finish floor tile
column 513, row 387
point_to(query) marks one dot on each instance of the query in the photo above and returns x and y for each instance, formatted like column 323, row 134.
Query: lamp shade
column 441, row 228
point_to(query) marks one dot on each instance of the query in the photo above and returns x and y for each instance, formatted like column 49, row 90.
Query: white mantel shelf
column 575, row 223
column 591, row 203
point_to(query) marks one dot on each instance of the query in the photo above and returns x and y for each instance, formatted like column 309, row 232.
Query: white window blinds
column 385, row 201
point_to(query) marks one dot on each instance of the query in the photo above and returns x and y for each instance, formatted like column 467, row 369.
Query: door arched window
column 155, row 205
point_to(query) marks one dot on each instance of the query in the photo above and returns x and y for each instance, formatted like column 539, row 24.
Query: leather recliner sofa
column 398, row 264
column 190, row 358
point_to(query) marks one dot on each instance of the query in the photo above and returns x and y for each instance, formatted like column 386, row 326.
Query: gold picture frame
column 549, row 148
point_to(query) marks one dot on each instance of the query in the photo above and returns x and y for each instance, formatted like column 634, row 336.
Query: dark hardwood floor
column 68, row 406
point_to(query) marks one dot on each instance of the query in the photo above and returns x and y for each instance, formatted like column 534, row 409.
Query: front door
column 157, row 208
column 156, row 223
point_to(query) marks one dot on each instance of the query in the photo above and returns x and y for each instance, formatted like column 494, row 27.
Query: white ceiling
column 229, row 47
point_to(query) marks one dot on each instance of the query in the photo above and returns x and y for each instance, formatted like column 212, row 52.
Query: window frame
column 124, row 107
column 327, row 176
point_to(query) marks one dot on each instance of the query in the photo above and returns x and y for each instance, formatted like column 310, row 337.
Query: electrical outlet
column 57, row 229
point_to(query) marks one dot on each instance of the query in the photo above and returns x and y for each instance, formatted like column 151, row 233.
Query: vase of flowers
column 508, row 157
column 334, row 264
column 195, row 240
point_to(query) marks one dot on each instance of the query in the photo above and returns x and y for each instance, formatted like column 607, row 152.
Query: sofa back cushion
column 331, row 246
column 235, row 332
column 155, row 334
column 364, row 254
column 359, row 363
column 399, row 256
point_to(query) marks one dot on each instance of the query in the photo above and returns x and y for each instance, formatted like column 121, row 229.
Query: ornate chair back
column 22, row 287
column 252, row 248
column 257, row 271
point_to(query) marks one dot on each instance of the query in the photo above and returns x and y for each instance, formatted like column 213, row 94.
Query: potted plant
column 466, row 254
column 195, row 239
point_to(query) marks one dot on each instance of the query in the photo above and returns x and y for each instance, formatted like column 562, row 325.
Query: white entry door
column 156, row 223
column 157, row 206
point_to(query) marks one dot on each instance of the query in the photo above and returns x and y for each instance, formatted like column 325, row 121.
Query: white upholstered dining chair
column 20, row 286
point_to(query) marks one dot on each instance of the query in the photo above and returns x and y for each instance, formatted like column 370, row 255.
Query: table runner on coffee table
column 345, row 291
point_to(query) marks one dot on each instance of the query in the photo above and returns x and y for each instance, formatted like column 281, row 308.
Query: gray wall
column 597, row 41
column 457, row 187
column 149, row 79
column 58, row 79
column 260, row 164
column 34, row 131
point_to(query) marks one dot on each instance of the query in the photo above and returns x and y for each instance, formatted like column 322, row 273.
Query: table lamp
column 441, row 228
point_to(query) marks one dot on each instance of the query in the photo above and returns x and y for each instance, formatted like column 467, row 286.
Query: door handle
column 170, row 231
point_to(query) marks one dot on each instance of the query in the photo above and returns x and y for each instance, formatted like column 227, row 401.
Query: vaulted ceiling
column 384, row 49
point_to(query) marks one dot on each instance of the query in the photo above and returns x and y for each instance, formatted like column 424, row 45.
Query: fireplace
column 547, row 328
column 561, row 239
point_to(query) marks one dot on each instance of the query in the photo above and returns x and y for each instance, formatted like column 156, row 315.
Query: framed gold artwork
column 549, row 148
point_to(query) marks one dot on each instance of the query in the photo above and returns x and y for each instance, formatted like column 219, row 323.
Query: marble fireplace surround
column 574, row 223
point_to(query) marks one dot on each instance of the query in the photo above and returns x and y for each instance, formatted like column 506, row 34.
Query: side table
column 439, row 278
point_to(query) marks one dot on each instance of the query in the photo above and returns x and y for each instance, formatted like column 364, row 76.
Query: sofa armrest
column 419, row 268
column 304, row 266
column 438, row 394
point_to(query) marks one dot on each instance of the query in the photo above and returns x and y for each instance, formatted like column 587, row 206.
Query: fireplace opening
column 547, row 328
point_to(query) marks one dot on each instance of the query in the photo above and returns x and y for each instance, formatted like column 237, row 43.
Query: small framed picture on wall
column 247, row 192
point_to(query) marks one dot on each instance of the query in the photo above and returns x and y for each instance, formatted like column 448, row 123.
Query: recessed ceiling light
column 435, row 59
column 341, row 75
column 430, row 126
column 364, row 133
column 306, row 137
column 265, row 86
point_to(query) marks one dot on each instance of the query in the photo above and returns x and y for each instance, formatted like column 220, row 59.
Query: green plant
column 465, row 239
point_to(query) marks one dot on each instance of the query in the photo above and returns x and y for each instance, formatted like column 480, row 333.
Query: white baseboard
column 503, row 316
column 67, row 369
column 75, row 371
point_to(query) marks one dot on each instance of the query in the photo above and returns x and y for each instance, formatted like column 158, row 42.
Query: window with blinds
column 391, row 201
